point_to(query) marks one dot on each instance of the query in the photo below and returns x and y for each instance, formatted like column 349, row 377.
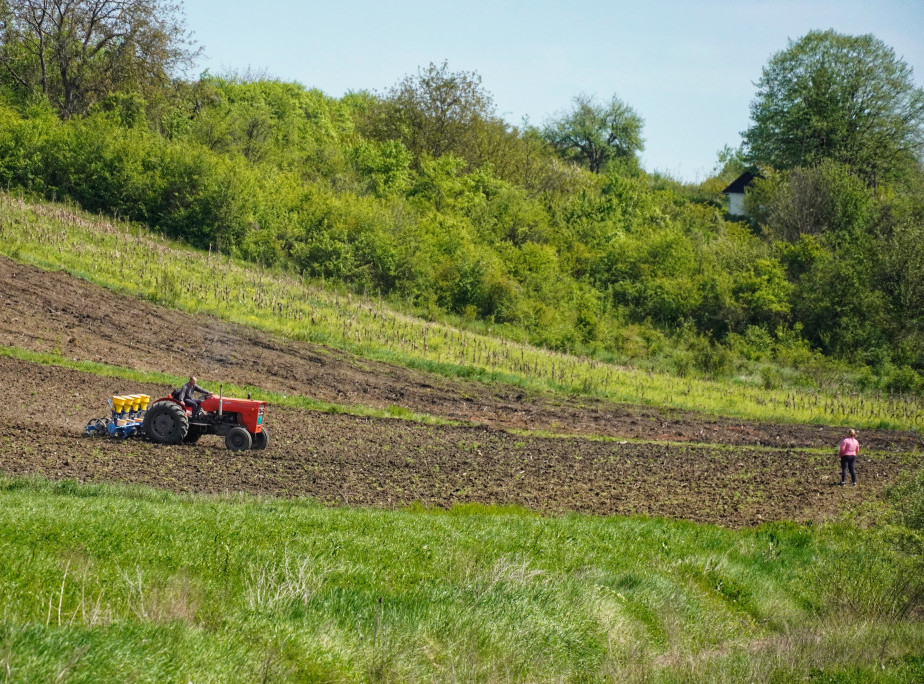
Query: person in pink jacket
column 850, row 447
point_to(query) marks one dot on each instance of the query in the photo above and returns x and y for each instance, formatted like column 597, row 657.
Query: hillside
column 50, row 311
column 533, row 413
column 500, row 230
column 656, row 462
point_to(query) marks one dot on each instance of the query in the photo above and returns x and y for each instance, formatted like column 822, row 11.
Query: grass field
column 103, row 583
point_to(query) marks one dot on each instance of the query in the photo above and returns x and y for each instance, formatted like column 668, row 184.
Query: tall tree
column 436, row 112
column 595, row 134
column 839, row 97
column 75, row 52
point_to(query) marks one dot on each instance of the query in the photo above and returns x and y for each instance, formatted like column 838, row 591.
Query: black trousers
column 847, row 464
column 195, row 403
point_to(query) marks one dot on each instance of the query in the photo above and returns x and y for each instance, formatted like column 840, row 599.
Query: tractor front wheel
column 166, row 423
column 261, row 439
column 238, row 439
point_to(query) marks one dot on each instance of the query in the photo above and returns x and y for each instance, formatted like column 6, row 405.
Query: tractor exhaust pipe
column 221, row 399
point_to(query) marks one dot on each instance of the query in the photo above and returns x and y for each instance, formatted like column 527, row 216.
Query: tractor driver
column 185, row 395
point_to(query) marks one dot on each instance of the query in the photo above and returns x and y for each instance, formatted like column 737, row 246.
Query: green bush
column 904, row 379
column 682, row 363
column 715, row 360
column 771, row 377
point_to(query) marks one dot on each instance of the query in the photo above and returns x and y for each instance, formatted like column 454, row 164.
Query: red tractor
column 239, row 421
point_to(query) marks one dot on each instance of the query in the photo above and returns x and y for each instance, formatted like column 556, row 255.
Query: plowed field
column 701, row 468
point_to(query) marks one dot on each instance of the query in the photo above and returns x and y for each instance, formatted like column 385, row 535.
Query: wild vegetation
column 554, row 236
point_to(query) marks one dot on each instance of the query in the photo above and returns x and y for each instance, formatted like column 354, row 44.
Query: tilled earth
column 702, row 468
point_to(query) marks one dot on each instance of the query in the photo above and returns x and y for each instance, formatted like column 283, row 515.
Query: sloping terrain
column 702, row 468
column 53, row 311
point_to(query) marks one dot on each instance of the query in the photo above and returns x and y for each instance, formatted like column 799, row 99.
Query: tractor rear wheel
column 238, row 439
column 261, row 439
column 166, row 423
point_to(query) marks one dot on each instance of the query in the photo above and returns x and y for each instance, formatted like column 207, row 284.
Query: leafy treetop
column 76, row 52
column 839, row 97
column 595, row 134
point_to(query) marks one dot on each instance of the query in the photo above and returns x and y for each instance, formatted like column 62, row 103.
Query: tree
column 730, row 163
column 839, row 97
column 595, row 134
column 76, row 52
column 436, row 112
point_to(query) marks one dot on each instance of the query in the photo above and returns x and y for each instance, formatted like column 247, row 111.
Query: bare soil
column 703, row 468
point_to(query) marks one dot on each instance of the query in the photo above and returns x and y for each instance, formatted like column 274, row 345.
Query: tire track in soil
column 389, row 463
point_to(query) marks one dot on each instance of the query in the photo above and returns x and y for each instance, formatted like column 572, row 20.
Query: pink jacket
column 850, row 447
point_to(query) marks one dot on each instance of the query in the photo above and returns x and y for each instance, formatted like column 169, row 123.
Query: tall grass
column 131, row 260
column 108, row 583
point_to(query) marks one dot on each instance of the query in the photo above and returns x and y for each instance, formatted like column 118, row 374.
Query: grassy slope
column 113, row 584
column 135, row 262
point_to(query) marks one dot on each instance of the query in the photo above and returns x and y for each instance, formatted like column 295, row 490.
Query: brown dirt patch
column 391, row 463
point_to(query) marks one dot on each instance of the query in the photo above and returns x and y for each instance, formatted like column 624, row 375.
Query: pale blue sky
column 687, row 68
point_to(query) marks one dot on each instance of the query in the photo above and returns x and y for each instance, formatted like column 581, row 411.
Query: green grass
column 112, row 583
column 131, row 260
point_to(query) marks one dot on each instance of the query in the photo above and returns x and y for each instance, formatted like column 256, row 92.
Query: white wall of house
column 736, row 203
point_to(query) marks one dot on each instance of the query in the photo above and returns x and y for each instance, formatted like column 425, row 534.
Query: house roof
column 738, row 185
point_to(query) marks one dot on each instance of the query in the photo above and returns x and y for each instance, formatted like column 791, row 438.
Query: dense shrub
column 500, row 230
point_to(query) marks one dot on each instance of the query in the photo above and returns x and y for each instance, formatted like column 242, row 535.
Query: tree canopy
column 435, row 112
column 594, row 134
column 839, row 97
column 75, row 52
column 423, row 193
